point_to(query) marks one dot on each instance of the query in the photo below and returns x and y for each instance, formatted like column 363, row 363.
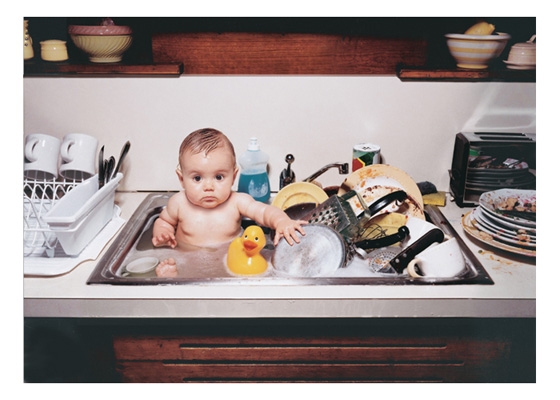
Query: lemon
column 480, row 28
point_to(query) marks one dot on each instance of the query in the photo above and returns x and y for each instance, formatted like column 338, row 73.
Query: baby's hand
column 287, row 229
column 164, row 239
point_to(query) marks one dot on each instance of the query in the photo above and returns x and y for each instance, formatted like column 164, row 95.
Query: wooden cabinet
column 325, row 351
column 280, row 350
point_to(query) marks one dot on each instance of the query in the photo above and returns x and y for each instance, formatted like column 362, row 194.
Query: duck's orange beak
column 249, row 245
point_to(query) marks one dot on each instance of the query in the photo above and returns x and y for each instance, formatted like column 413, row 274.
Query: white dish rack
column 61, row 217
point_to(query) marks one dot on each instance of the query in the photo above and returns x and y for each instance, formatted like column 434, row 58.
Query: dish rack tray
column 39, row 196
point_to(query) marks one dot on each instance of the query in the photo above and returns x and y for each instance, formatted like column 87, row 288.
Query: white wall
column 316, row 118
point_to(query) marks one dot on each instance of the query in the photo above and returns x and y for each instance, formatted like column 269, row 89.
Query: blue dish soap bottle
column 253, row 178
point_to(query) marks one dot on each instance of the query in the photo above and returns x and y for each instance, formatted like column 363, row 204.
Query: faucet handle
column 287, row 176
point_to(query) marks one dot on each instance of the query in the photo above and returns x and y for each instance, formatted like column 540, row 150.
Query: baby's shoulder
column 239, row 198
column 177, row 199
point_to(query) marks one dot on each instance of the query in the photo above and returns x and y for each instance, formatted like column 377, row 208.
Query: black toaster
column 487, row 161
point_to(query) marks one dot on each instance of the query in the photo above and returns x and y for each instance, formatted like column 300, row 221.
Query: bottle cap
column 253, row 144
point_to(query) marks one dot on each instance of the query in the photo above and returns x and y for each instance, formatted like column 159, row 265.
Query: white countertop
column 513, row 294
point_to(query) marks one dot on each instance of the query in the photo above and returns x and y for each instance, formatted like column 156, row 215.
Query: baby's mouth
column 209, row 199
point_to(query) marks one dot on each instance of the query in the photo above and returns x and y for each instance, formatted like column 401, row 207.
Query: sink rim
column 154, row 202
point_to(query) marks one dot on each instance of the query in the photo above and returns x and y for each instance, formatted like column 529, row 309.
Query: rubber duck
column 244, row 257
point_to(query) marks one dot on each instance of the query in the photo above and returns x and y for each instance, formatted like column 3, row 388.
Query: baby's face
column 207, row 179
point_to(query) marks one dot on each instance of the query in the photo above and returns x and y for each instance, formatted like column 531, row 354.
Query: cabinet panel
column 330, row 358
column 295, row 53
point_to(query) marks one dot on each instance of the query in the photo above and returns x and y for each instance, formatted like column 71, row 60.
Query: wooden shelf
column 465, row 75
column 107, row 70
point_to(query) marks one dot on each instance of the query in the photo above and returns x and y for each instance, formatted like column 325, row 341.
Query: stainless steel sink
column 207, row 266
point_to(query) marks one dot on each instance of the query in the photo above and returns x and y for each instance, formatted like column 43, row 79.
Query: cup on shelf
column 444, row 260
column 78, row 152
column 41, row 153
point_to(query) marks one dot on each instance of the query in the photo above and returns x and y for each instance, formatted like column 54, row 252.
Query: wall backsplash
column 316, row 118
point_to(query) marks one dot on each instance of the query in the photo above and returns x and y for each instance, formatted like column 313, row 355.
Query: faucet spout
column 342, row 169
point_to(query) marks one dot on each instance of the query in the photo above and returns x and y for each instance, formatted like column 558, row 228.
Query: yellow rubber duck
column 244, row 257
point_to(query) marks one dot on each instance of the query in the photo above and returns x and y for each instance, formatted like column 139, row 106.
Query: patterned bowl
column 103, row 44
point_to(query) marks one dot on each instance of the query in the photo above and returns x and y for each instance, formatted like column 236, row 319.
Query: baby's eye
column 197, row 178
column 219, row 177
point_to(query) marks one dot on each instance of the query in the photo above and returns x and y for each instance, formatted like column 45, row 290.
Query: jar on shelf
column 27, row 42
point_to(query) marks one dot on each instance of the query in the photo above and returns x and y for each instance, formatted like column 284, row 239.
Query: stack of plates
column 514, row 231
column 515, row 175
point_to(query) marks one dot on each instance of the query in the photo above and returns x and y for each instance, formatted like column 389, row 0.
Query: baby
column 207, row 212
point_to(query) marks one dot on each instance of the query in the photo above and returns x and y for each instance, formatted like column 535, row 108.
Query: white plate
column 512, row 65
column 501, row 222
column 491, row 200
column 502, row 236
column 501, row 230
column 484, row 237
column 142, row 265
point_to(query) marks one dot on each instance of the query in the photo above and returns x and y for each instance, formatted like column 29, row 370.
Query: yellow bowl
column 476, row 51
column 103, row 44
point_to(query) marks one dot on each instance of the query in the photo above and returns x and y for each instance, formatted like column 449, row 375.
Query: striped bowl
column 476, row 51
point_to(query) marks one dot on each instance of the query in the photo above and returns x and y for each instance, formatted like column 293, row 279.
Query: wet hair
column 204, row 141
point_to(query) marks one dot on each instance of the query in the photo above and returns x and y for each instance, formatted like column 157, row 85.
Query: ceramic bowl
column 476, row 51
column 102, row 44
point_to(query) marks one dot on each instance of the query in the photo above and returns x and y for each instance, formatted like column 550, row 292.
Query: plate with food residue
column 513, row 205
column 377, row 180
column 469, row 225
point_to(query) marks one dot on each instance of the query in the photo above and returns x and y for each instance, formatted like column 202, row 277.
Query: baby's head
column 207, row 167
column 204, row 141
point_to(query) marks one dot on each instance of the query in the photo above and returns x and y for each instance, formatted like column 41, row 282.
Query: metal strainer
column 394, row 259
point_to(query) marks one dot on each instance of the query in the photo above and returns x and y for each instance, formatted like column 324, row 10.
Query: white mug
column 78, row 152
column 444, row 260
column 41, row 153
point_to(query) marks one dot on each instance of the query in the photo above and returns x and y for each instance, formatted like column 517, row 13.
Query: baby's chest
column 211, row 220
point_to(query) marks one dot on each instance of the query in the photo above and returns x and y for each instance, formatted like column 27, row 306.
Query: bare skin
column 207, row 212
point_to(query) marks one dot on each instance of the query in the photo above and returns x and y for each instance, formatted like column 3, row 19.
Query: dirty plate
column 471, row 229
column 375, row 181
column 493, row 202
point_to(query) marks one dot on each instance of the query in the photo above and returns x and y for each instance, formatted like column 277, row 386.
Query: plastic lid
column 253, row 144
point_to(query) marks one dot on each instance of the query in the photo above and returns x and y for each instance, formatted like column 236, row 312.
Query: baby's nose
column 208, row 184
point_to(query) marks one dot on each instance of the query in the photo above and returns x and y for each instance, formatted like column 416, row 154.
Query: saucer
column 512, row 65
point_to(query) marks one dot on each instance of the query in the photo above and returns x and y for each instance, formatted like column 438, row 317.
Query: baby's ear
column 235, row 171
column 179, row 174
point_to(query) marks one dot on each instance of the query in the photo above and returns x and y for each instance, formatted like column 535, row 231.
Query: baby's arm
column 164, row 227
column 272, row 217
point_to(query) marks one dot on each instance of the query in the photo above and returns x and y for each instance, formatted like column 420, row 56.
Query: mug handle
column 411, row 268
column 64, row 150
column 29, row 150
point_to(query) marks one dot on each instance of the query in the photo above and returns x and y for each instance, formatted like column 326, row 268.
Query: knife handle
column 401, row 260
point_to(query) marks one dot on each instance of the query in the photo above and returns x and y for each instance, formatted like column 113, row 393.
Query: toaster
column 487, row 161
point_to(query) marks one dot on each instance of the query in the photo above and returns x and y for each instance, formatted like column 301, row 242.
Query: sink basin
column 207, row 266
